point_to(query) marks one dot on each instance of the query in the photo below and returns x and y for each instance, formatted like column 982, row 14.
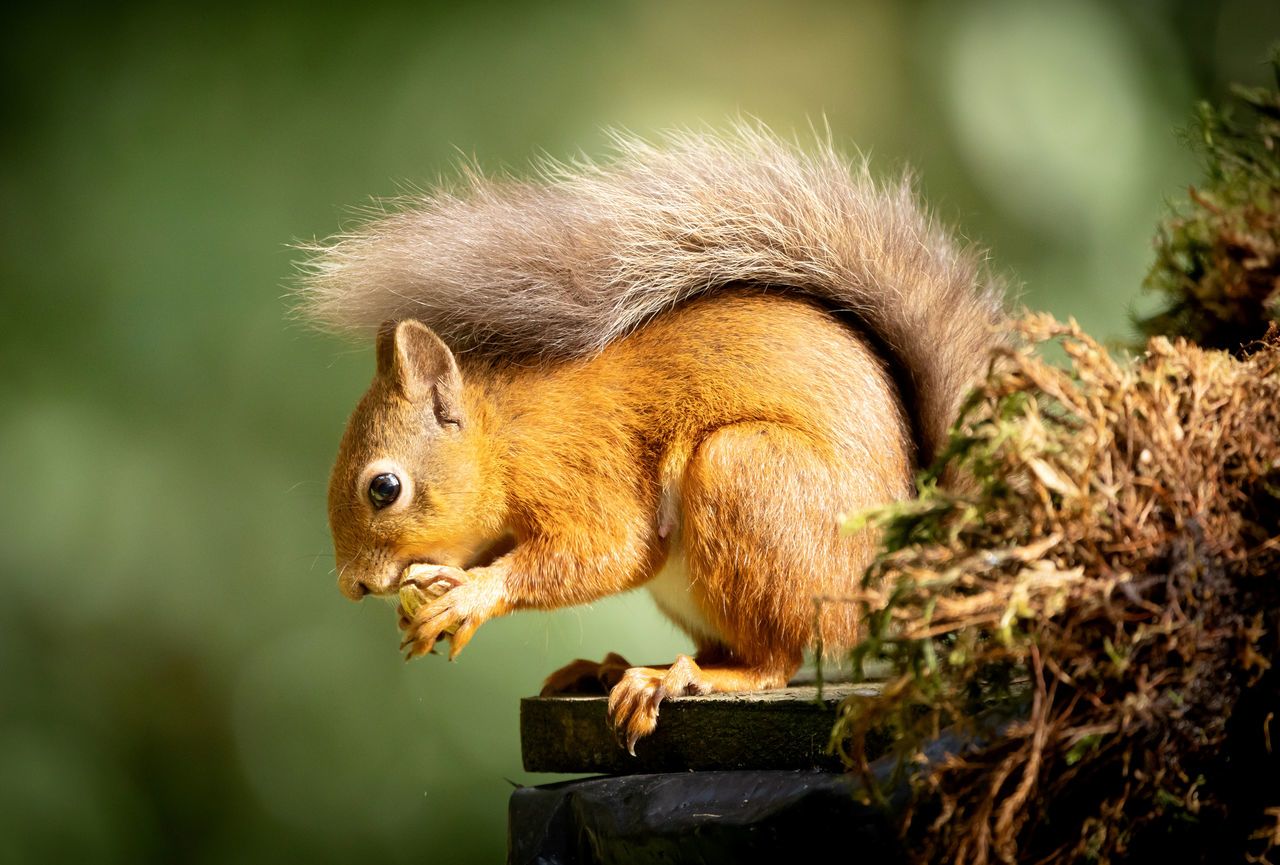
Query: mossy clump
column 1218, row 254
column 1098, row 603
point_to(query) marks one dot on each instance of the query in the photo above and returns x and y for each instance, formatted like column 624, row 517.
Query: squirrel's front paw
column 464, row 601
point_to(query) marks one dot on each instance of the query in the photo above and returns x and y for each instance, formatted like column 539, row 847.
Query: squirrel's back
column 743, row 425
column 565, row 264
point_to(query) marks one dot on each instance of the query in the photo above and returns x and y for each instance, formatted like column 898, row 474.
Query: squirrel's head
column 409, row 483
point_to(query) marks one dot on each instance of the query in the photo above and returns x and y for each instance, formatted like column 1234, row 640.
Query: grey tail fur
column 563, row 264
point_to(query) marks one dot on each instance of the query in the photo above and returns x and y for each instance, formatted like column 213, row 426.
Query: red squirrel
column 673, row 370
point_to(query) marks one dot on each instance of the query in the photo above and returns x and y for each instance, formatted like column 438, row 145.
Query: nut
column 411, row 597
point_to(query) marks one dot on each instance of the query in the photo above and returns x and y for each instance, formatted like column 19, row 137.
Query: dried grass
column 1109, row 581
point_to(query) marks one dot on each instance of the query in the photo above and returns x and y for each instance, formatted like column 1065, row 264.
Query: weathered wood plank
column 787, row 728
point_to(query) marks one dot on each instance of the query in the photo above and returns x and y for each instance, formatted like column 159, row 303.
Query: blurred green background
column 180, row 680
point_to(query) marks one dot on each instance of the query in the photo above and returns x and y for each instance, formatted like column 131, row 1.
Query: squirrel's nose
column 353, row 588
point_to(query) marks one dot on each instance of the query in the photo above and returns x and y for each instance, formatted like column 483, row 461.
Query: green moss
column 1218, row 253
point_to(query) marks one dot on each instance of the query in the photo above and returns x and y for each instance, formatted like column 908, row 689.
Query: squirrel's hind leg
column 762, row 535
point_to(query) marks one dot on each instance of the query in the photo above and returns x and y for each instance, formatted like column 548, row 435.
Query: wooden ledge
column 785, row 728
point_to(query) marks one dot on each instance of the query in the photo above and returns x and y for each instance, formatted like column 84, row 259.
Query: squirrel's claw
column 634, row 701
column 462, row 636
column 418, row 649
column 633, row 705
column 431, row 624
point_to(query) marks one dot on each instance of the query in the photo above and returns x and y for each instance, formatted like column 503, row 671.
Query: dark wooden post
column 725, row 778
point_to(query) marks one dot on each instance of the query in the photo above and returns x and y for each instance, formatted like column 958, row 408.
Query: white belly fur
column 670, row 589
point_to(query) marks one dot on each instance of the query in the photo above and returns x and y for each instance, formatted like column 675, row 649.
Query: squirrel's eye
column 383, row 490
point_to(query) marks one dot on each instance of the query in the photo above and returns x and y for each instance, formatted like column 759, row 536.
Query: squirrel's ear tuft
column 418, row 363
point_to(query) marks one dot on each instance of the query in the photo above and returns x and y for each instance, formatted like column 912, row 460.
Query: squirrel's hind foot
column 586, row 677
column 634, row 701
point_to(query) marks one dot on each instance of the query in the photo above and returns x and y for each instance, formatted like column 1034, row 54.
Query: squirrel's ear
column 420, row 365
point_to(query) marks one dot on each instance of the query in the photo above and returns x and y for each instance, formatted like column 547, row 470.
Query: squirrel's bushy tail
column 586, row 252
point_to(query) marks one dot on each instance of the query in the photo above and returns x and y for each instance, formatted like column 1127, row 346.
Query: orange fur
column 754, row 419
